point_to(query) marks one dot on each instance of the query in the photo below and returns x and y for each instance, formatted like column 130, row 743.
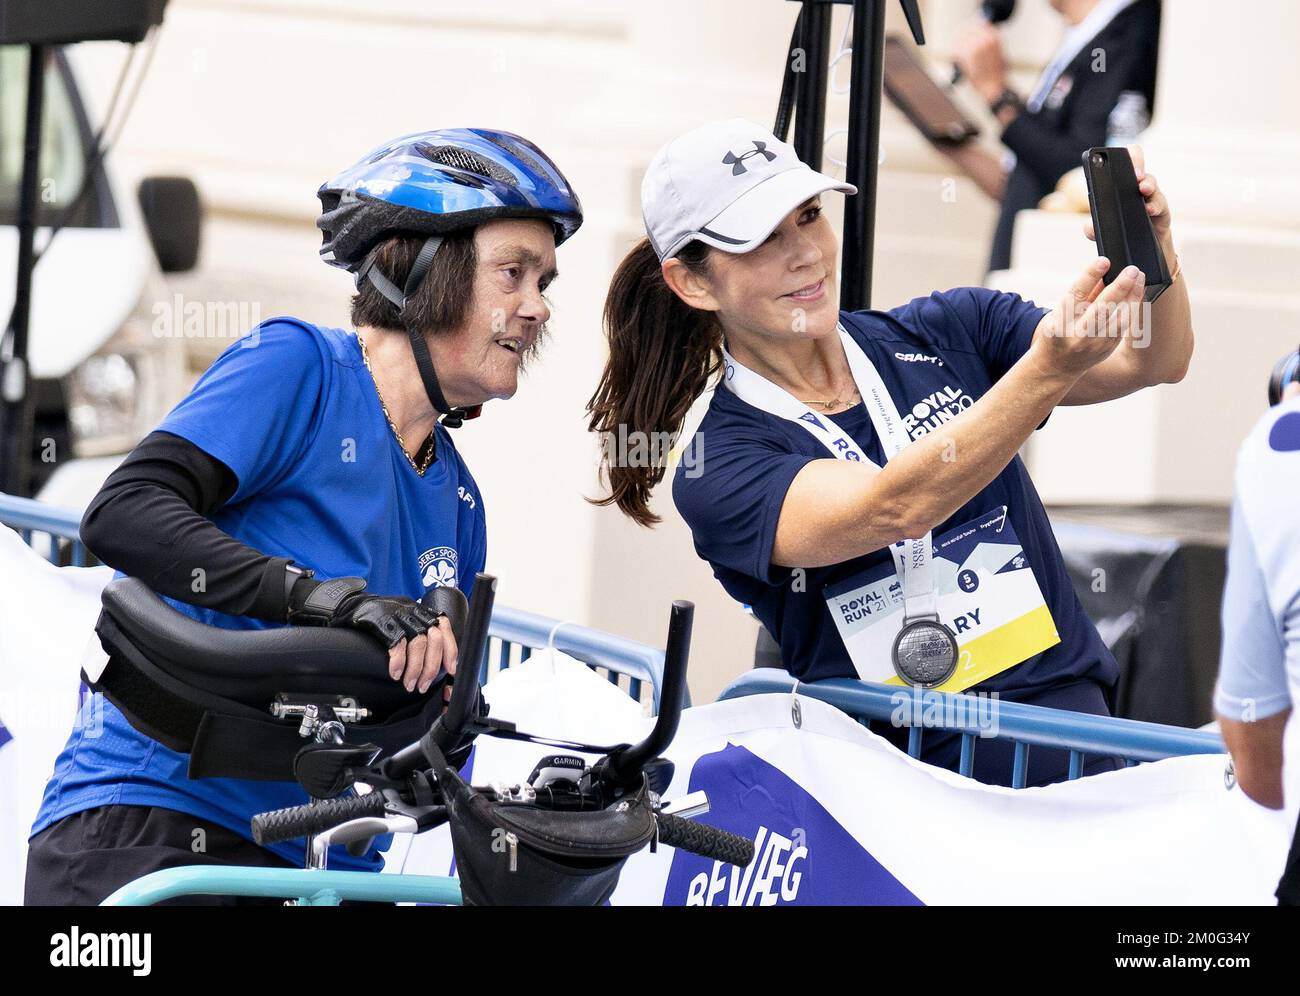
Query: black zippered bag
column 513, row 855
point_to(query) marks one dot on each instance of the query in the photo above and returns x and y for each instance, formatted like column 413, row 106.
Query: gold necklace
column 428, row 459
column 835, row 402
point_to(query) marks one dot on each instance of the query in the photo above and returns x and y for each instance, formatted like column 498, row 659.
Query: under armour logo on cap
column 737, row 163
column 686, row 198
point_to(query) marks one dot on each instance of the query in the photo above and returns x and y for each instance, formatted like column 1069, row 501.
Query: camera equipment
column 1285, row 371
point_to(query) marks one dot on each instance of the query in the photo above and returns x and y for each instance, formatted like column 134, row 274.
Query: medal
column 925, row 652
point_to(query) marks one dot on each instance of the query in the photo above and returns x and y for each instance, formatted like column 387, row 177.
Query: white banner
column 838, row 815
column 47, row 614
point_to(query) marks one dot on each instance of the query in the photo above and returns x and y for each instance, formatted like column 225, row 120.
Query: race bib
column 987, row 595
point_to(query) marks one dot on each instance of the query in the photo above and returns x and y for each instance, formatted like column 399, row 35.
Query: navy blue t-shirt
column 937, row 355
column 292, row 410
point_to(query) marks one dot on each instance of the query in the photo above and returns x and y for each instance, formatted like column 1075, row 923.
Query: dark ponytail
column 662, row 355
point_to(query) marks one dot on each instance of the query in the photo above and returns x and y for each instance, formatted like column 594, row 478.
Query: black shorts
column 85, row 857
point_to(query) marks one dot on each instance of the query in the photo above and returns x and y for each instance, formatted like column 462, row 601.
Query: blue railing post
column 1024, row 725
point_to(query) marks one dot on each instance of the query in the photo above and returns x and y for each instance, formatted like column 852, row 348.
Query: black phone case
column 1120, row 219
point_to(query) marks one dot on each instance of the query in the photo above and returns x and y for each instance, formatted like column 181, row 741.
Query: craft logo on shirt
column 918, row 358
column 935, row 409
column 438, row 567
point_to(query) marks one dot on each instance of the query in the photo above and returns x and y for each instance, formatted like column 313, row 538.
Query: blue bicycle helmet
column 431, row 183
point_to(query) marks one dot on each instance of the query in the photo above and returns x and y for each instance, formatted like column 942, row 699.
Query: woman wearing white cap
column 855, row 478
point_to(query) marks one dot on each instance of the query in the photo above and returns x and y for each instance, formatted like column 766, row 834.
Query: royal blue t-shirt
column 292, row 410
column 937, row 355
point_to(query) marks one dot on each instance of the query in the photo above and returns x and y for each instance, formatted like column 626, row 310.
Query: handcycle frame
column 316, row 885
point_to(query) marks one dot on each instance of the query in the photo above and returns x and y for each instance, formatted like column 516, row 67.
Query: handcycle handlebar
column 303, row 821
column 704, row 840
column 404, row 783
column 625, row 765
column 464, row 708
column 464, row 705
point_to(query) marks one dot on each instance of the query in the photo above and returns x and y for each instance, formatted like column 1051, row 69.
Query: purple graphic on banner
column 802, row 856
column 5, row 735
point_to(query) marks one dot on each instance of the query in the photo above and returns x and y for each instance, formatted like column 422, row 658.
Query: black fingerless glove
column 344, row 602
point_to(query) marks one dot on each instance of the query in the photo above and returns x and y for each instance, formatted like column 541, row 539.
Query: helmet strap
column 452, row 417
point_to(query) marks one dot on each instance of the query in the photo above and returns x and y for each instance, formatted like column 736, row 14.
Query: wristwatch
column 1007, row 98
column 292, row 572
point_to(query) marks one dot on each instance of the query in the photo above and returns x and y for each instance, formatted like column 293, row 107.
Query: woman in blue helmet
column 309, row 453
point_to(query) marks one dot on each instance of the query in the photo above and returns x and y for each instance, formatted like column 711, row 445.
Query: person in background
column 1259, row 666
column 1098, row 89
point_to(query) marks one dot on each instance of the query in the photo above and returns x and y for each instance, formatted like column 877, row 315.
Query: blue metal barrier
column 29, row 516
column 1024, row 725
column 514, row 633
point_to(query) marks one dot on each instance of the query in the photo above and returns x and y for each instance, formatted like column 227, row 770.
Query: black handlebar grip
column 453, row 604
column 704, row 840
column 300, row 821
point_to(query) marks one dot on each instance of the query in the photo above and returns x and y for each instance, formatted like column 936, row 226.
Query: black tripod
column 804, row 93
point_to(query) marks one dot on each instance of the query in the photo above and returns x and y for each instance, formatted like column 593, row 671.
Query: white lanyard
column 912, row 557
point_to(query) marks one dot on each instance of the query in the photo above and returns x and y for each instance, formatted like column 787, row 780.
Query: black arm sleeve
column 150, row 521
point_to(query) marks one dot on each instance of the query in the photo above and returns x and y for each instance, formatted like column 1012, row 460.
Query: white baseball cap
column 727, row 184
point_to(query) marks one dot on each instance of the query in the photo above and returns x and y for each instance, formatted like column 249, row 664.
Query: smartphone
column 1120, row 219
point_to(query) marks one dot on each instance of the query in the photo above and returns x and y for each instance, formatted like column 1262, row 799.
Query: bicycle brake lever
column 686, row 806
column 325, row 770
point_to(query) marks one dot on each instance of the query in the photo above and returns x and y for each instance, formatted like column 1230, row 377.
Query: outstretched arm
column 835, row 510
column 1158, row 348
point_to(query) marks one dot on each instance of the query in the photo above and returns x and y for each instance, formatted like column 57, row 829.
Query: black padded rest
column 252, row 666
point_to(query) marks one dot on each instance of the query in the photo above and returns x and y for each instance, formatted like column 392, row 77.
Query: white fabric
column 1260, row 659
column 49, row 617
column 1161, row 833
column 1164, row 833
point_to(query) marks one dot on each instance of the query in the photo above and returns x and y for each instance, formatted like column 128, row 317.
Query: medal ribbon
column 913, row 558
